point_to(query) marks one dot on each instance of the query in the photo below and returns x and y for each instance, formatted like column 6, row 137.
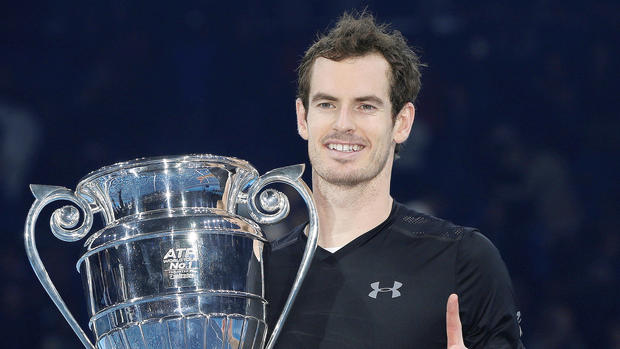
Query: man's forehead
column 371, row 56
column 363, row 75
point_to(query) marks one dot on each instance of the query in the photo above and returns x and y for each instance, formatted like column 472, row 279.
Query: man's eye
column 368, row 107
column 325, row 105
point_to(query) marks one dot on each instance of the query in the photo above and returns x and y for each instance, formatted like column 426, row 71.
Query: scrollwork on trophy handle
column 63, row 224
column 276, row 207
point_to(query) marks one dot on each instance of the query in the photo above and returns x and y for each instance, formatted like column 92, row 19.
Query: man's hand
column 453, row 324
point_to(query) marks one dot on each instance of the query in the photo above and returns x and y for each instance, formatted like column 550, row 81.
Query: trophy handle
column 276, row 202
column 61, row 223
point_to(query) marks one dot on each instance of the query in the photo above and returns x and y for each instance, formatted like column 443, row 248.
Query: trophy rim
column 153, row 161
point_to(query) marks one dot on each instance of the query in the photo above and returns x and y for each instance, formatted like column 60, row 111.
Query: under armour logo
column 376, row 289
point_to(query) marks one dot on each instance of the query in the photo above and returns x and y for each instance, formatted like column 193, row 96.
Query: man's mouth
column 345, row 148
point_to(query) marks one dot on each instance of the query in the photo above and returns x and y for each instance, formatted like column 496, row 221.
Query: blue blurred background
column 515, row 132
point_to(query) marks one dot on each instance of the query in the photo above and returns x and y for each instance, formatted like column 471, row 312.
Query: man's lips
column 344, row 147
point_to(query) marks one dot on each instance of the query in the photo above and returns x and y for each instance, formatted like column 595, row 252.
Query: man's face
column 348, row 124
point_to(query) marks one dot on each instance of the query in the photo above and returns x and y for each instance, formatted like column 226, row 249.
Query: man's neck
column 346, row 212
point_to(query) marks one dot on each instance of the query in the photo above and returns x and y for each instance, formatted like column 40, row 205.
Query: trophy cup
column 175, row 266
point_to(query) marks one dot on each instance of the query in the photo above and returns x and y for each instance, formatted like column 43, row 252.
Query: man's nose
column 345, row 121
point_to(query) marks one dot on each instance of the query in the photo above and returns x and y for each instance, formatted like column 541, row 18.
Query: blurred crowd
column 515, row 132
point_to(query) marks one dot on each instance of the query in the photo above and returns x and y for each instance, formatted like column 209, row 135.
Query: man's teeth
column 345, row 147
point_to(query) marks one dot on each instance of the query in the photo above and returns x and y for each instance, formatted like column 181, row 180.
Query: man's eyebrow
column 323, row 96
column 370, row 98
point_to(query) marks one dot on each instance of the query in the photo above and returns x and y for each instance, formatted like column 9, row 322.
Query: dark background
column 515, row 132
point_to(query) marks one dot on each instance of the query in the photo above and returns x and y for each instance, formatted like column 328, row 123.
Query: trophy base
column 200, row 331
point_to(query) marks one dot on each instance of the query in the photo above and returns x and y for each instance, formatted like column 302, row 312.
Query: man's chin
column 344, row 179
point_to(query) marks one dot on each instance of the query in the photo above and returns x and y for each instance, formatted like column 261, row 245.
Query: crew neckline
column 322, row 253
column 332, row 249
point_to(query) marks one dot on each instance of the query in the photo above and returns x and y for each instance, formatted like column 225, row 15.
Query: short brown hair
column 356, row 35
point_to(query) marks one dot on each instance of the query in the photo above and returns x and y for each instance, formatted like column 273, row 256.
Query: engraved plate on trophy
column 179, row 263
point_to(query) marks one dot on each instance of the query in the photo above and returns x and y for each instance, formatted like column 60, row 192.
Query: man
column 383, row 274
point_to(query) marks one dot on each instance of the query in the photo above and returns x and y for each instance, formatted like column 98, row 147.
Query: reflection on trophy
column 174, row 266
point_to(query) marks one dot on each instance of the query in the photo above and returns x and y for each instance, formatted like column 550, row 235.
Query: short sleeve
column 486, row 298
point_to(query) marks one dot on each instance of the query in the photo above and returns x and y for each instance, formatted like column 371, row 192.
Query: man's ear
column 403, row 123
column 302, row 122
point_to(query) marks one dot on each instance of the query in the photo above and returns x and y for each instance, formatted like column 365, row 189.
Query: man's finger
column 453, row 323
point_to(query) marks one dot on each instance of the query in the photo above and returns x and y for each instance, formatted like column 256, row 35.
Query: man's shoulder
column 288, row 239
column 406, row 222
column 418, row 225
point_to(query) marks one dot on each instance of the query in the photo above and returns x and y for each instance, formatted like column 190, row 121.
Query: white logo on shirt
column 376, row 289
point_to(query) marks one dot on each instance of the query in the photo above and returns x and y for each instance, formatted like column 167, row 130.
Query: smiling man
column 383, row 275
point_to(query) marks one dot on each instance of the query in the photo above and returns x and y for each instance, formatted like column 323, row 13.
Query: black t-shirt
column 389, row 287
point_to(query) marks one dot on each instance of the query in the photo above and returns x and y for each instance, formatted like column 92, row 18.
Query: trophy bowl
column 174, row 266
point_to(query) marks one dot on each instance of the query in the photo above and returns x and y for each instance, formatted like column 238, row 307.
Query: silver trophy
column 175, row 266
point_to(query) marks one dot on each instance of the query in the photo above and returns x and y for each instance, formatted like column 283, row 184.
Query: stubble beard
column 350, row 178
